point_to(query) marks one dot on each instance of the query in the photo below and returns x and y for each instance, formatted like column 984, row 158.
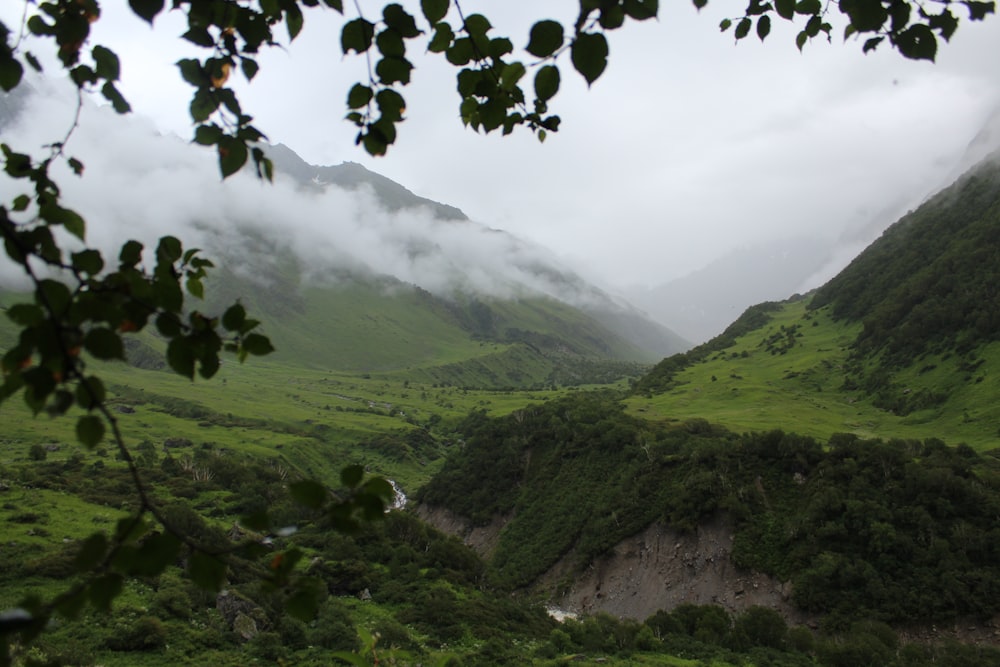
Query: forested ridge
column 899, row 531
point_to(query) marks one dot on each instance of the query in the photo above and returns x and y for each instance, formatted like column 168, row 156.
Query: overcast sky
column 686, row 147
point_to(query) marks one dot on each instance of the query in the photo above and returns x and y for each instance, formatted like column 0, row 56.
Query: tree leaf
column 146, row 9
column 357, row 36
column 547, row 82
column 398, row 19
column 434, row 10
column 589, row 53
column 545, row 38
column 257, row 345
column 232, row 155
column 743, row 28
column 917, row 42
column 89, row 430
column 642, row 10
column 309, row 493
column 351, row 476
column 11, row 72
column 180, row 357
column 763, row 26
column 207, row 572
column 785, row 8
column 104, row 344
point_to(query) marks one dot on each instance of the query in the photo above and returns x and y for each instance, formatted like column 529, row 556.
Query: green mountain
column 799, row 460
column 903, row 341
column 540, row 325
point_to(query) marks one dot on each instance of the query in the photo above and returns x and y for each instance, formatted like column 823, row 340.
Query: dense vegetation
column 926, row 288
column 899, row 531
column 662, row 376
column 425, row 598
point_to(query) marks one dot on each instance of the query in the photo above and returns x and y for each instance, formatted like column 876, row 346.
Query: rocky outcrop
column 482, row 539
column 661, row 568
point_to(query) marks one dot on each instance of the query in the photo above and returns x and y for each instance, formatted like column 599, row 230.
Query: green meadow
column 790, row 374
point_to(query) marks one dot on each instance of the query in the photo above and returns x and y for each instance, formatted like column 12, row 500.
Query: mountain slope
column 904, row 342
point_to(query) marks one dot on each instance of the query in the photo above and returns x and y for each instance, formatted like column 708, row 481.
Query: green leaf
column 157, row 552
column 207, row 135
column 52, row 294
column 979, row 10
column 104, row 590
column 234, row 317
column 309, row 493
column 90, row 393
column 725, row 24
column 203, row 104
column 113, row 95
column 26, row 314
column 131, row 253
column 21, row 202
column 359, row 96
column 351, row 476
column 357, row 35
column 803, row 37
column 249, row 67
column 146, row 9
column 88, row 261
column 199, row 36
column 207, row 572
column 443, row 37
column 785, row 8
column 642, row 10
column 589, row 53
column 303, row 603
column 917, row 42
column 259, row 521
column 400, row 20
column 390, row 43
column 460, row 52
column 293, row 20
column 743, row 28
column 547, row 82
column 91, row 552
column 195, row 287
column 257, row 345
column 168, row 249
column 180, row 357
column 546, row 38
column 89, row 430
column 11, row 72
column 232, row 155
column 391, row 104
column 192, row 72
column 434, row 10
column 33, row 61
column 104, row 344
column 763, row 26
column 391, row 70
column 107, row 63
column 612, row 17
column 812, row 7
column 477, row 25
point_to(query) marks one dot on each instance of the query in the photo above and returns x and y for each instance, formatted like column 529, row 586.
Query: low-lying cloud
column 142, row 185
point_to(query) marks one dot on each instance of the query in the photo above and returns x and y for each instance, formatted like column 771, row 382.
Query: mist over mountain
column 315, row 227
column 702, row 303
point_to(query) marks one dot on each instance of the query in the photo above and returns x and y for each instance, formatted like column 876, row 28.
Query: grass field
column 790, row 375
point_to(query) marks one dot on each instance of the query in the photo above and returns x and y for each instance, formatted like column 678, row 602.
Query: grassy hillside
column 798, row 371
column 905, row 342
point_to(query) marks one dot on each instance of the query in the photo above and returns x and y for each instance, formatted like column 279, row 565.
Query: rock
column 245, row 627
column 175, row 443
